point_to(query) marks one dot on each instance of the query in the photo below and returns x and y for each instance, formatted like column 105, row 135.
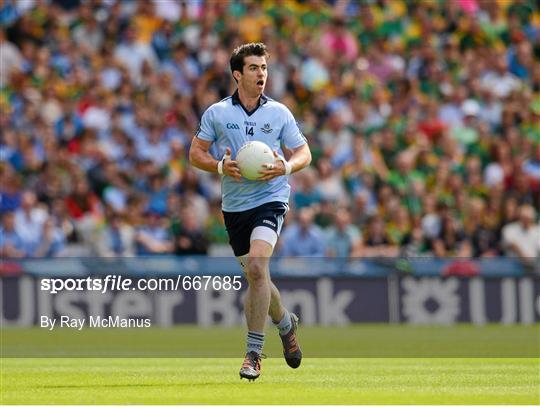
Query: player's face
column 254, row 75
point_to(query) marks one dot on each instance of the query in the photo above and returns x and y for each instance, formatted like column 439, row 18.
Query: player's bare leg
column 287, row 323
column 277, row 310
column 259, row 293
column 257, row 305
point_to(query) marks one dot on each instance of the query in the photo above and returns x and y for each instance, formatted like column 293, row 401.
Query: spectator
column 522, row 238
column 29, row 221
column 183, row 68
column 303, row 238
column 324, row 216
column 52, row 240
column 308, row 192
column 451, row 241
column 133, row 54
column 11, row 244
column 82, row 202
column 215, row 225
column 414, row 244
column 10, row 58
column 500, row 80
column 190, row 237
column 375, row 242
column 330, row 183
column 10, row 195
column 343, row 240
column 85, row 209
column 252, row 24
column 338, row 39
column 403, row 176
column 86, row 33
column 364, row 207
column 431, row 221
column 152, row 237
column 531, row 169
column 158, row 192
column 399, row 225
column 117, row 239
column 483, row 237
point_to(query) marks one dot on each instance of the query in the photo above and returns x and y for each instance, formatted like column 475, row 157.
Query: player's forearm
column 300, row 159
column 203, row 160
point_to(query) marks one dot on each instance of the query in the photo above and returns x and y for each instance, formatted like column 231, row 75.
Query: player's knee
column 256, row 272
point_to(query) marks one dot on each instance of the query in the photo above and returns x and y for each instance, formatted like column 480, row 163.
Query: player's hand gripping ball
column 253, row 157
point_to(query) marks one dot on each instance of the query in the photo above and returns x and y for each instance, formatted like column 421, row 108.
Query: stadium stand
column 423, row 118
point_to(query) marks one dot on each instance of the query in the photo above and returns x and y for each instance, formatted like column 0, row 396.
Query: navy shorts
column 240, row 224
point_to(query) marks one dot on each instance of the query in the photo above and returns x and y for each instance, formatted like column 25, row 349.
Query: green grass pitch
column 385, row 378
column 317, row 381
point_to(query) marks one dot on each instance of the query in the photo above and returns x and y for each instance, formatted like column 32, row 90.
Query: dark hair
column 245, row 50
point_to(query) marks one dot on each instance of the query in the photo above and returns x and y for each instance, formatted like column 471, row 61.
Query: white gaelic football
column 251, row 158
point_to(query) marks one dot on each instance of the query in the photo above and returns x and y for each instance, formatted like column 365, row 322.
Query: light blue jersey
column 228, row 124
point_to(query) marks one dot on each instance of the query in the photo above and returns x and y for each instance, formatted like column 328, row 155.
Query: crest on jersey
column 266, row 129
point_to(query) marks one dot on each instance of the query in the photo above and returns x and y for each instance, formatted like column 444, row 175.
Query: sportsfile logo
column 120, row 283
column 233, row 126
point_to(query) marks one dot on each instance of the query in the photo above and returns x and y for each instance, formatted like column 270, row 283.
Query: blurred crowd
column 423, row 118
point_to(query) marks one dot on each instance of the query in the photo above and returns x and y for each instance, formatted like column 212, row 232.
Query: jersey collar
column 236, row 101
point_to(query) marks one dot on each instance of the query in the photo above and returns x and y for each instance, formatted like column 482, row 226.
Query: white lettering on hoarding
column 442, row 292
